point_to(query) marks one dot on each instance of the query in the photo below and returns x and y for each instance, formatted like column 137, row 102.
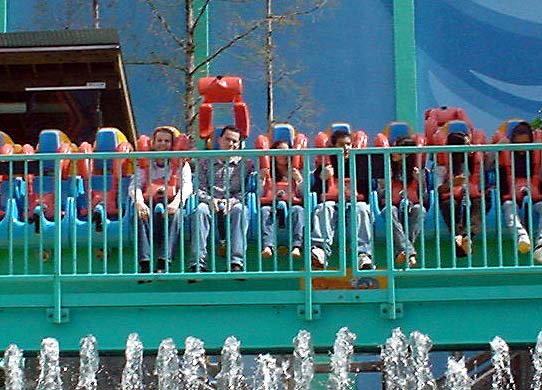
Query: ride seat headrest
column 49, row 141
column 340, row 126
column 284, row 132
column 457, row 126
column 512, row 124
column 106, row 140
column 398, row 129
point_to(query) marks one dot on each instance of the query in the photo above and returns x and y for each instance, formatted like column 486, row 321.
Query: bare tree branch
column 165, row 24
column 293, row 111
column 167, row 63
column 227, row 46
column 201, row 12
column 294, row 14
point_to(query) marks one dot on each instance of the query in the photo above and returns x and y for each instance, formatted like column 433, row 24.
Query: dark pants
column 460, row 213
column 159, row 236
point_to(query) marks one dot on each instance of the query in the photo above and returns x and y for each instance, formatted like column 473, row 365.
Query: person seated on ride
column 160, row 181
column 326, row 213
column 406, row 200
column 462, row 181
column 284, row 173
column 523, row 176
column 220, row 193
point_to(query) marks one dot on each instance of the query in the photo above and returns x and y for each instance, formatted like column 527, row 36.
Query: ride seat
column 359, row 140
column 435, row 118
column 221, row 89
column 519, row 187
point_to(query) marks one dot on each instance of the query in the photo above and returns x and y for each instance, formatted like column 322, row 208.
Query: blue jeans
column 325, row 224
column 201, row 226
column 158, row 236
column 268, row 231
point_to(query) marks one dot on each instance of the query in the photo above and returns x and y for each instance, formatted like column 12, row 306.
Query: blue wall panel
column 482, row 55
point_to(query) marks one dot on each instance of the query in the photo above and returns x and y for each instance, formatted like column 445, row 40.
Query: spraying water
column 14, row 361
column 132, row 375
column 89, row 363
column 537, row 364
column 502, row 375
column 303, row 361
column 167, row 366
column 266, row 376
column 49, row 359
column 398, row 369
column 231, row 375
column 343, row 350
column 405, row 366
column 457, row 377
column 420, row 345
column 193, row 366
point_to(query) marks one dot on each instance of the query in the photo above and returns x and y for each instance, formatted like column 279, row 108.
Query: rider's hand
column 328, row 172
column 296, row 175
column 143, row 210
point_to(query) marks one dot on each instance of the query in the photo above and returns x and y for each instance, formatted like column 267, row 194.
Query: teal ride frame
column 458, row 303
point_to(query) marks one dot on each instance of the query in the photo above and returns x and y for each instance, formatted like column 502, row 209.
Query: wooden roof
column 52, row 70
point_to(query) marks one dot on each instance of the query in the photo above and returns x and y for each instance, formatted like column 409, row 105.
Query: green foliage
column 535, row 124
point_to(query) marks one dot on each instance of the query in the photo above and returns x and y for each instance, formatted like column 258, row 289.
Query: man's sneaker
column 194, row 268
column 524, row 244
column 318, row 257
column 160, row 265
column 537, row 254
column 221, row 248
column 365, row 261
column 267, row 252
column 296, row 252
column 400, row 258
column 236, row 267
column 144, row 268
column 462, row 246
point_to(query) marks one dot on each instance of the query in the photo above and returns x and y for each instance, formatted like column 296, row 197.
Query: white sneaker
column 365, row 261
column 524, row 244
column 318, row 257
column 537, row 255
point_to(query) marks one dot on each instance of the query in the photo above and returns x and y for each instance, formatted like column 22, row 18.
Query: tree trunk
column 269, row 64
column 189, row 95
column 96, row 13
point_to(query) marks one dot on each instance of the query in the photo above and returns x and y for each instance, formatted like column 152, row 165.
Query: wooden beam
column 13, row 57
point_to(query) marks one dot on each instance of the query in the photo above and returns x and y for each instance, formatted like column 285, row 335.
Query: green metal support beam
column 3, row 15
column 201, row 36
column 406, row 96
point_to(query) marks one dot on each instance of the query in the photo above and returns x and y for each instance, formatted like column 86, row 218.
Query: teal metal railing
column 68, row 247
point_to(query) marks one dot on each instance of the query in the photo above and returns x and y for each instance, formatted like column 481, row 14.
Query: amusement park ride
column 68, row 268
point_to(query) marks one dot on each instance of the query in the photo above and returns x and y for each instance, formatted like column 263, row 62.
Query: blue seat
column 40, row 192
column 103, row 212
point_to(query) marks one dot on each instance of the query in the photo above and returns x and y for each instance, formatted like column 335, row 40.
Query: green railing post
column 390, row 273
column 57, row 313
column 406, row 96
column 307, row 243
